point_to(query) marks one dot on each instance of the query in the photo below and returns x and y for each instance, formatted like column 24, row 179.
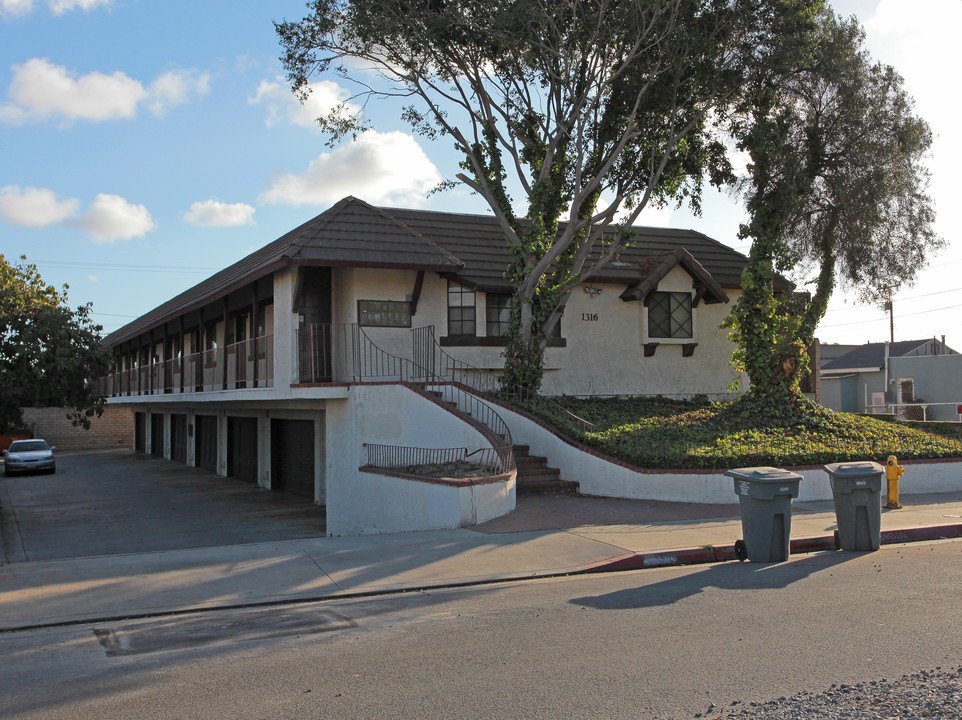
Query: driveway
column 117, row 502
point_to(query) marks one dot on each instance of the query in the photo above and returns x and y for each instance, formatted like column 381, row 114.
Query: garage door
column 157, row 434
column 242, row 448
column 205, row 429
column 178, row 438
column 292, row 456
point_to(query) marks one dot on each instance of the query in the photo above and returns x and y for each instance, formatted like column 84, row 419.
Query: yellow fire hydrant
column 893, row 471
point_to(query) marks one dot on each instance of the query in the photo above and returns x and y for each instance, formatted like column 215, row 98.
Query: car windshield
column 29, row 446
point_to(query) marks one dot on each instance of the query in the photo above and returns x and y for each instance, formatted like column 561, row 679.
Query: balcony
column 242, row 365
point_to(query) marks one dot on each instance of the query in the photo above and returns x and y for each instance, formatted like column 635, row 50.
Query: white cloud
column 59, row 7
column 213, row 213
column 111, row 218
column 41, row 90
column 176, row 88
column 282, row 105
column 93, row 278
column 381, row 168
column 17, row 8
column 34, row 207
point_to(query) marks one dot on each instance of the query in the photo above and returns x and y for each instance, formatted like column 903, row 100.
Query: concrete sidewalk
column 37, row 594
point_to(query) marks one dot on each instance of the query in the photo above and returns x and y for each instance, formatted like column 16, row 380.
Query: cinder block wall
column 113, row 429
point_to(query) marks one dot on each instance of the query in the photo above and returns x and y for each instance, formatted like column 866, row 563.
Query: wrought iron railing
column 343, row 352
column 429, row 353
column 245, row 364
column 437, row 461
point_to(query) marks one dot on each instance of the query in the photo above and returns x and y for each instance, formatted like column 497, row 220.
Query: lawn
column 658, row 432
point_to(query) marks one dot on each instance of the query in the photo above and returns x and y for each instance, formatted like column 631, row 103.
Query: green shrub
column 661, row 433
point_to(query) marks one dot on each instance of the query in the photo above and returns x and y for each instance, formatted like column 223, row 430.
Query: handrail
column 244, row 364
column 411, row 460
column 428, row 352
column 330, row 352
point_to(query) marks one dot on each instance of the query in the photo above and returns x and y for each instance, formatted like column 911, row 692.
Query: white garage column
column 168, row 436
column 264, row 450
column 222, row 443
column 320, row 458
column 148, row 431
column 191, row 439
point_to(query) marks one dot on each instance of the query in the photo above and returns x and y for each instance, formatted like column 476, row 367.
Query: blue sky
column 147, row 144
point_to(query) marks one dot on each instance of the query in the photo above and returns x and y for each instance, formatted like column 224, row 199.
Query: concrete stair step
column 546, row 487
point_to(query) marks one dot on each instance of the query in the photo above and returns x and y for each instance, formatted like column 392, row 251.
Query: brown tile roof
column 469, row 248
column 477, row 240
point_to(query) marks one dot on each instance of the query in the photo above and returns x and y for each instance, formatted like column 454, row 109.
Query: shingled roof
column 871, row 356
column 478, row 241
column 467, row 248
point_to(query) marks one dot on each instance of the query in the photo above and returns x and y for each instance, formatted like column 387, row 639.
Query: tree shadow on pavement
column 723, row 576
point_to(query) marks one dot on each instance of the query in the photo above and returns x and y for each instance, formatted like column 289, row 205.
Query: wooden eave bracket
column 650, row 348
column 688, row 349
column 416, row 293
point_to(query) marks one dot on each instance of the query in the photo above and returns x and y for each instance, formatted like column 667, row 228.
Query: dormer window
column 669, row 315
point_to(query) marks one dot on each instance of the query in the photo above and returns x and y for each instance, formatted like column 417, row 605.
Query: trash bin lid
column 763, row 474
column 854, row 469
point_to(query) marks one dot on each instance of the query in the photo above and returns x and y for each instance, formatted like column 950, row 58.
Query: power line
column 897, row 299
column 123, row 267
column 903, row 315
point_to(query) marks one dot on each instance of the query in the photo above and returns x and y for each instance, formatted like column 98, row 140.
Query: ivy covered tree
column 590, row 109
column 837, row 184
column 48, row 352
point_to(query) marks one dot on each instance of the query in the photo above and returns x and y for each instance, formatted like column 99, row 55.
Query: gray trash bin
column 857, row 492
column 765, row 496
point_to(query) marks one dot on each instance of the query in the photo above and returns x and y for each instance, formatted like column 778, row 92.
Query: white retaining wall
column 605, row 478
column 362, row 503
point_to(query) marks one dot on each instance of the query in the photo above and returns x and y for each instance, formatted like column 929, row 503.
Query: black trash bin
column 857, row 492
column 765, row 495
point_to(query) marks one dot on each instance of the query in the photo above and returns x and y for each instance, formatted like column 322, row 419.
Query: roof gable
column 658, row 267
column 872, row 355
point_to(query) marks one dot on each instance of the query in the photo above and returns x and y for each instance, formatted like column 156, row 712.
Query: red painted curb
column 723, row 553
column 931, row 532
column 812, row 544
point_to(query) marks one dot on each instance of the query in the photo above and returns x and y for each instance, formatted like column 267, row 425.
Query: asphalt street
column 660, row 643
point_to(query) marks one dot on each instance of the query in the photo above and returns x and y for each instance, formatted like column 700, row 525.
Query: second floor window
column 498, row 314
column 461, row 303
column 384, row 313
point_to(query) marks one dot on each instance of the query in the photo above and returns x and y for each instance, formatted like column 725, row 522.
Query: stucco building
column 363, row 335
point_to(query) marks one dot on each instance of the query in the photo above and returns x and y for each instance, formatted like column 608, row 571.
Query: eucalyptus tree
column 837, row 183
column 589, row 109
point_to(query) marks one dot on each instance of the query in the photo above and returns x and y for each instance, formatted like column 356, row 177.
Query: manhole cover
column 196, row 630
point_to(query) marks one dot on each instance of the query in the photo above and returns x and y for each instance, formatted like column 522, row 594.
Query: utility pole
column 888, row 306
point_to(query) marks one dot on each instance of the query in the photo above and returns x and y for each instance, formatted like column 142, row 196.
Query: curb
column 724, row 553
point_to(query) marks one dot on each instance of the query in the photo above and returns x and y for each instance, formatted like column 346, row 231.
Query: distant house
column 918, row 379
column 309, row 365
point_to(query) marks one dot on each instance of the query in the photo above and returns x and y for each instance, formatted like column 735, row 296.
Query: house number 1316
column 589, row 317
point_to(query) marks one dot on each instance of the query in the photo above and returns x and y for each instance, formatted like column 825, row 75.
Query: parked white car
column 29, row 456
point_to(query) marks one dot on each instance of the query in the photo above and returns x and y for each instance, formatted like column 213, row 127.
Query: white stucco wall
column 366, row 503
column 605, row 336
column 602, row 477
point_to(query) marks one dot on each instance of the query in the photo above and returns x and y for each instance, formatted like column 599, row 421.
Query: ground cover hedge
column 664, row 433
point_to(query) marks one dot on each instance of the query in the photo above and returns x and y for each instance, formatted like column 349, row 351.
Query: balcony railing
column 245, row 364
column 343, row 352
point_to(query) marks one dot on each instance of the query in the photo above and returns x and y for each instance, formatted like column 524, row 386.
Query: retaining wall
column 604, row 476
column 113, row 429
